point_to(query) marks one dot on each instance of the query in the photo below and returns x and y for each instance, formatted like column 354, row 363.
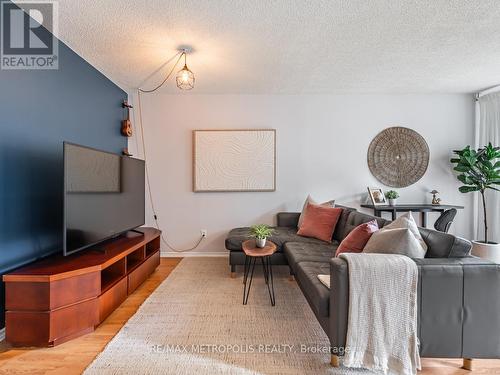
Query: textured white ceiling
column 292, row 47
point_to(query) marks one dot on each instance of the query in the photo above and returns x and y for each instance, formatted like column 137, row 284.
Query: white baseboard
column 172, row 254
column 2, row 334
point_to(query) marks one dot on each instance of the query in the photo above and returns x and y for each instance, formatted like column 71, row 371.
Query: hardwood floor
column 74, row 356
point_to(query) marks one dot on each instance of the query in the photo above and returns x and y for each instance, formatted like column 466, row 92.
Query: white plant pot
column 490, row 251
column 260, row 242
column 392, row 202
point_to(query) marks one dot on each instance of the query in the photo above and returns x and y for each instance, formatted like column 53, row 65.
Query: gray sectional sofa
column 458, row 295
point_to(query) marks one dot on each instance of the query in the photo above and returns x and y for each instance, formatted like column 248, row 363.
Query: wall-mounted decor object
column 126, row 129
column 398, row 157
column 234, row 160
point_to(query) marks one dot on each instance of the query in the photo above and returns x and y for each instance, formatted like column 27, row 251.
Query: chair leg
column 334, row 360
column 467, row 364
column 291, row 277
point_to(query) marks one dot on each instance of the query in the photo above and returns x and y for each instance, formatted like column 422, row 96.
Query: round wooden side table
column 252, row 254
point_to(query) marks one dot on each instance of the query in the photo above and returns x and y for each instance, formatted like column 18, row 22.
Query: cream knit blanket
column 382, row 323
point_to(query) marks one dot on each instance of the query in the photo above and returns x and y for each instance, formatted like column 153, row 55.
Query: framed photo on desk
column 377, row 196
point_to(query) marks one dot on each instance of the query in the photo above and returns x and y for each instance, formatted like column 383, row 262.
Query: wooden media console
column 59, row 298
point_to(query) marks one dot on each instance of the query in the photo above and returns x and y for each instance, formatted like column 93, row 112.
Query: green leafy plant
column 478, row 170
column 392, row 194
column 261, row 231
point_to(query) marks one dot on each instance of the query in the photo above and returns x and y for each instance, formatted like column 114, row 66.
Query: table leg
column 246, row 292
column 424, row 219
column 270, row 285
column 245, row 269
column 393, row 212
column 377, row 213
column 264, row 269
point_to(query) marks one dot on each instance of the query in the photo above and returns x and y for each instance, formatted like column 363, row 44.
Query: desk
column 422, row 208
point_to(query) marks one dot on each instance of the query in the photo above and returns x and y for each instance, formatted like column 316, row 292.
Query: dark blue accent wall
column 38, row 111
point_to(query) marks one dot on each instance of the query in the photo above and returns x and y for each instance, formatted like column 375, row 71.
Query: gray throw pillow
column 407, row 221
column 395, row 241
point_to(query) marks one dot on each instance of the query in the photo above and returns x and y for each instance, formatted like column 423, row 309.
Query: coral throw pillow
column 312, row 201
column 319, row 222
column 356, row 240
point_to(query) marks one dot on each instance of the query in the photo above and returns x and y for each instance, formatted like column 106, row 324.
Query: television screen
column 103, row 196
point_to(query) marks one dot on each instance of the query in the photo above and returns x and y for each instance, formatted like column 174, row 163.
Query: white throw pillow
column 395, row 241
column 407, row 221
column 312, row 201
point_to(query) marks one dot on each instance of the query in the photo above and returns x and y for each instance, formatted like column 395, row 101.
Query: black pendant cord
column 183, row 53
column 150, row 194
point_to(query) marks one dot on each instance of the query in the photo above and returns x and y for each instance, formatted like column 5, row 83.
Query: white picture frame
column 377, row 196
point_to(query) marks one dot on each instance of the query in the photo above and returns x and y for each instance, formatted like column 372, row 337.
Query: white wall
column 321, row 149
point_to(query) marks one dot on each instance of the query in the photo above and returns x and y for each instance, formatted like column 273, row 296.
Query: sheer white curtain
column 488, row 130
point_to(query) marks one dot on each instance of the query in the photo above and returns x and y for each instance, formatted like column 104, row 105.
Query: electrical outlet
column 203, row 232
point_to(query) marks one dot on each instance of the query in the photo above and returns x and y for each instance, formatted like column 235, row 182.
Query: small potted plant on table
column 392, row 196
column 260, row 232
column 479, row 171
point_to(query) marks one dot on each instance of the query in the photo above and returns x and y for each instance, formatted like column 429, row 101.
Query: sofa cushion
column 280, row 236
column 356, row 218
column 288, row 219
column 297, row 252
column 444, row 245
column 339, row 229
column 317, row 294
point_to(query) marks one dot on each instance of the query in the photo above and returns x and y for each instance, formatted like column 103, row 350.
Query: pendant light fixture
column 185, row 77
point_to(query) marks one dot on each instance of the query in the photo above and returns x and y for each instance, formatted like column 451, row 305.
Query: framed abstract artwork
column 234, row 160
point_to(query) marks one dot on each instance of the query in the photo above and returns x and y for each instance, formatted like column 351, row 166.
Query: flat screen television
column 103, row 196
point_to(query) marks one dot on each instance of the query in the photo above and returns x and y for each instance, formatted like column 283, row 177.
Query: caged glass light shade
column 185, row 78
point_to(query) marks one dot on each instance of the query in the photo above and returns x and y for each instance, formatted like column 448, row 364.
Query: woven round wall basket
column 398, row 157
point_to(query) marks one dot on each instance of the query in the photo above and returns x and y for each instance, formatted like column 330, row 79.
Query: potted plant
column 392, row 196
column 479, row 171
column 260, row 232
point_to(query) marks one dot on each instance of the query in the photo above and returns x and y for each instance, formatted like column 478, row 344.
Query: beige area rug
column 195, row 323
